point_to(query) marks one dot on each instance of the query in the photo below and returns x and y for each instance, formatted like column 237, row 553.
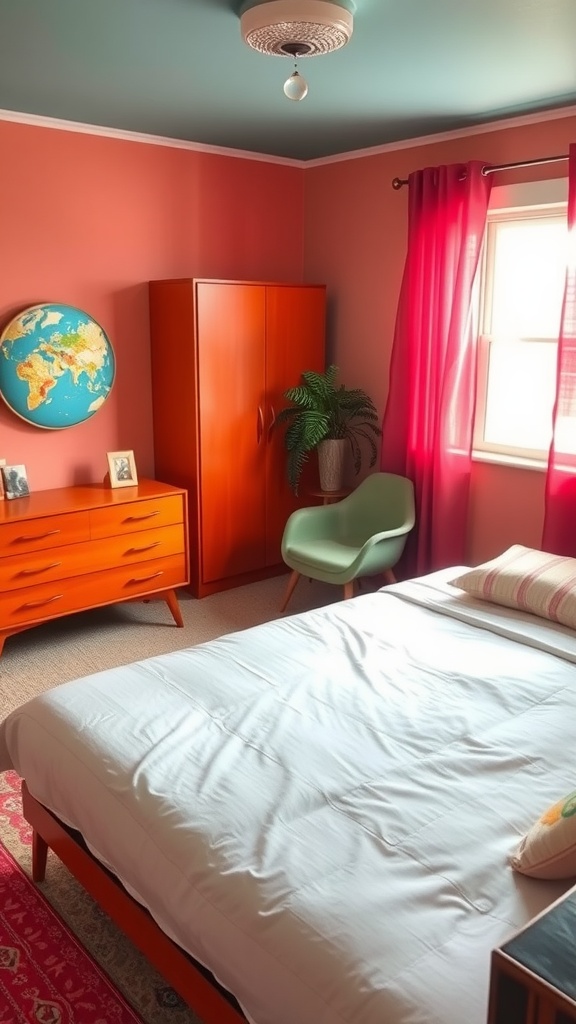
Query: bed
column 320, row 811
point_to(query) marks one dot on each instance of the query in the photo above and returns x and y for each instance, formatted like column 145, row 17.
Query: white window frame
column 529, row 200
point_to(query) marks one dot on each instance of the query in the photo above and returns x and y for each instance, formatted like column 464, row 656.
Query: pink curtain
column 428, row 421
column 559, row 535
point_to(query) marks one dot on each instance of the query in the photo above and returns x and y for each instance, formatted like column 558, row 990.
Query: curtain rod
column 398, row 183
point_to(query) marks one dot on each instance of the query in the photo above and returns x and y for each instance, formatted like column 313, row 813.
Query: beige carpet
column 40, row 658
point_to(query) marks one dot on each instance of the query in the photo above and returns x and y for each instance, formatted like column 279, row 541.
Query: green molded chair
column 361, row 535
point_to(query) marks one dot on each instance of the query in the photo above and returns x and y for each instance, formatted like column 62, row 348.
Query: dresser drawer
column 76, row 559
column 136, row 515
column 74, row 548
column 46, row 600
column 45, row 532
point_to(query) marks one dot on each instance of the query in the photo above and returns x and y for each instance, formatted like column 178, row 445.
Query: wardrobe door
column 231, row 396
column 295, row 341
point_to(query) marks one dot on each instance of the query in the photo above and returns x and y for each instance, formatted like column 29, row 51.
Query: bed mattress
column 321, row 809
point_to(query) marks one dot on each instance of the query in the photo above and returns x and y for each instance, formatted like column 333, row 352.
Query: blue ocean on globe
column 57, row 366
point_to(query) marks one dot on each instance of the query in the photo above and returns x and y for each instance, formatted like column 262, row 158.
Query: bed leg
column 39, row 857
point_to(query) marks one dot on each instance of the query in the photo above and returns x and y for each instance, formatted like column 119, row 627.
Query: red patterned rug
column 46, row 977
column 59, row 948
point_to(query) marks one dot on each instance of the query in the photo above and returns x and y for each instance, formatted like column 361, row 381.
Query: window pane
column 529, row 275
column 521, row 391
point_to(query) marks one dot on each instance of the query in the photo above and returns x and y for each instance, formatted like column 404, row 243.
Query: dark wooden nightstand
column 533, row 974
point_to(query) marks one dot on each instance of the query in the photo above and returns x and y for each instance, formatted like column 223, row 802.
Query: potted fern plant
column 326, row 417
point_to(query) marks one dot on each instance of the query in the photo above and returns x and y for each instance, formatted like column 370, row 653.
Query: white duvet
column 320, row 809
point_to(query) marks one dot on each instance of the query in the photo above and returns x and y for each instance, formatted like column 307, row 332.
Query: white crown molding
column 458, row 133
column 40, row 121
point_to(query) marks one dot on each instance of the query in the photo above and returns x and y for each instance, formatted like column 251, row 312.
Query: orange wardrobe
column 223, row 353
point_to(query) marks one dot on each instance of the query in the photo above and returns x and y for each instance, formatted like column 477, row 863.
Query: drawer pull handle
column 36, row 536
column 138, row 551
column 143, row 579
column 147, row 515
column 43, row 568
column 45, row 600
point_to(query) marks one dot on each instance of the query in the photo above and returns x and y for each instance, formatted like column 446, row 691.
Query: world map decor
column 57, row 366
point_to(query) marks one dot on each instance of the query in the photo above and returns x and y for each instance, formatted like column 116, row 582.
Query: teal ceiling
column 180, row 69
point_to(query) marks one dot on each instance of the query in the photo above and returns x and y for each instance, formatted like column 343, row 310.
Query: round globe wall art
column 57, row 366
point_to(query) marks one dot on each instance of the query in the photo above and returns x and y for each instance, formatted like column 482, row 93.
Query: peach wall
column 355, row 241
column 87, row 221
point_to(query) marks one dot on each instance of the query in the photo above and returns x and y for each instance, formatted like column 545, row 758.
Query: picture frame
column 122, row 469
column 15, row 481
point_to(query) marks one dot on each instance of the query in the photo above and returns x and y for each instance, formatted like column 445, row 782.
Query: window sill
column 513, row 461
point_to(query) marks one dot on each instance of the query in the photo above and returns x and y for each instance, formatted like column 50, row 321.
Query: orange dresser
column 74, row 548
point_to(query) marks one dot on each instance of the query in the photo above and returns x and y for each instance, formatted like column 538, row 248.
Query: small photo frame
column 122, row 469
column 15, row 482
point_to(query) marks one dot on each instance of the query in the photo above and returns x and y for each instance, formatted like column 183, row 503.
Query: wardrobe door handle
column 260, row 425
column 272, row 421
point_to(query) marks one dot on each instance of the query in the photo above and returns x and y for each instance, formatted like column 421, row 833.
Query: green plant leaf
column 321, row 410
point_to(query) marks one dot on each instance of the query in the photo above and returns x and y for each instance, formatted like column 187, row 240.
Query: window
column 521, row 290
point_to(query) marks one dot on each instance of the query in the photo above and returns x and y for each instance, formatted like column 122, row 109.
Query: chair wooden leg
column 348, row 590
column 294, row 577
column 389, row 576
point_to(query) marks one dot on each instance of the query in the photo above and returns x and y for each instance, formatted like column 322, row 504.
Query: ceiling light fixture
column 297, row 28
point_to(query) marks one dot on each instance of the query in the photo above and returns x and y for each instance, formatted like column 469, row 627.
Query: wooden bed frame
column 193, row 982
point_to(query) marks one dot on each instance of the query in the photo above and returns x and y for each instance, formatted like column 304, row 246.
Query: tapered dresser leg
column 172, row 602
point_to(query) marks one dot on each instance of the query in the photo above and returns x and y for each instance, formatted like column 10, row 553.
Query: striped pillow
column 529, row 580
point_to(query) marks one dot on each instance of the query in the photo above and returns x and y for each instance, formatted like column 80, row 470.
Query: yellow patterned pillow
column 530, row 580
column 548, row 850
